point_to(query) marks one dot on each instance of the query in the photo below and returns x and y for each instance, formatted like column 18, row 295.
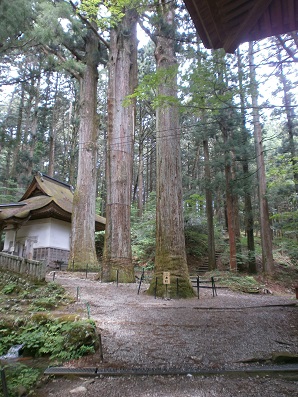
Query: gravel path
column 224, row 332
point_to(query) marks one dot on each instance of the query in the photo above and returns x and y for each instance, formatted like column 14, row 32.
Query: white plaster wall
column 60, row 234
column 46, row 233
column 39, row 229
column 9, row 236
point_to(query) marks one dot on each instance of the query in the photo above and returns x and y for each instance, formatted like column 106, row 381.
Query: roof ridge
column 55, row 180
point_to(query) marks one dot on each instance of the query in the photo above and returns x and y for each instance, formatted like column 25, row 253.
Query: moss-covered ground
column 28, row 317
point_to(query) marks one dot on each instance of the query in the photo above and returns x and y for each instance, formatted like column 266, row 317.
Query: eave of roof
column 11, row 205
column 24, row 211
column 45, row 197
column 226, row 24
column 52, row 210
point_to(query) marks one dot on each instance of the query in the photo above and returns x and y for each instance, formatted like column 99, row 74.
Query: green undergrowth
column 235, row 281
column 28, row 317
column 19, row 295
column 60, row 339
column 19, row 379
column 283, row 279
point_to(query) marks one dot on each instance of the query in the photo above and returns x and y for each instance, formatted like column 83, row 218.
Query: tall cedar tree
column 170, row 242
column 82, row 251
column 248, row 209
column 44, row 29
column 289, row 110
column 266, row 233
column 117, row 257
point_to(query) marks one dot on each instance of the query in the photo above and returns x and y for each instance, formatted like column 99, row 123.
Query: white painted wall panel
column 39, row 229
column 60, row 234
column 9, row 236
column 46, row 233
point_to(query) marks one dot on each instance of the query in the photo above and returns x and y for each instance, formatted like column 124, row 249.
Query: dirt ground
column 212, row 342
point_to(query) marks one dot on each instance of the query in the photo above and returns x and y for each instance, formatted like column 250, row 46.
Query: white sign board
column 166, row 278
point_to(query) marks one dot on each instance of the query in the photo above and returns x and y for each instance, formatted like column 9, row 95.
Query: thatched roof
column 45, row 198
column 228, row 23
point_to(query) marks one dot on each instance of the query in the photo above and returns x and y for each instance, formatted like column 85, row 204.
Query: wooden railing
column 33, row 269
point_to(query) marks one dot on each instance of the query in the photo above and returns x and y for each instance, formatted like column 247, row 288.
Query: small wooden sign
column 166, row 278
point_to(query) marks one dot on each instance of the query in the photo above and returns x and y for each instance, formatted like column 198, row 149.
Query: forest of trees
column 164, row 138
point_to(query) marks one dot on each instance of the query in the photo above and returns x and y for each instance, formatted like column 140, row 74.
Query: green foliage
column 48, row 296
column 236, row 282
column 98, row 205
column 10, row 191
column 43, row 304
column 193, row 209
column 20, row 378
column 288, row 222
column 10, row 288
column 99, row 244
column 205, row 84
column 48, row 29
column 16, row 18
column 148, row 88
column 288, row 248
column 107, row 13
column 196, row 241
column 57, row 338
column 143, row 233
column 57, row 28
column 62, row 340
column 279, row 174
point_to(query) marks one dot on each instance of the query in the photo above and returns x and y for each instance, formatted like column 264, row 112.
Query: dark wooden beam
column 233, row 40
column 226, row 23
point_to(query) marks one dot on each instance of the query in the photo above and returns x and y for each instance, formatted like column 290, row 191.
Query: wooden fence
column 33, row 269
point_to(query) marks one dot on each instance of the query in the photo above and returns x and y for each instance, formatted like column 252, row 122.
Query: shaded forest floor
column 232, row 331
column 282, row 282
column 252, row 321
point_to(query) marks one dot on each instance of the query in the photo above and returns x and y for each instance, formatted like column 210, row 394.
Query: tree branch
column 73, row 52
column 87, row 22
column 287, row 49
column 48, row 50
column 147, row 31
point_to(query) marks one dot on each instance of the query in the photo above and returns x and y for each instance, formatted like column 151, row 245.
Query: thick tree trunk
column 140, row 181
column 249, row 228
column 209, row 210
column 53, row 133
column 151, row 169
column 290, row 121
column 230, row 204
column 236, row 210
column 33, row 124
column 230, row 218
column 16, row 146
column 72, row 140
column 266, row 234
column 117, row 258
column 248, row 212
column 195, row 168
column 170, row 241
column 52, row 152
column 82, row 251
